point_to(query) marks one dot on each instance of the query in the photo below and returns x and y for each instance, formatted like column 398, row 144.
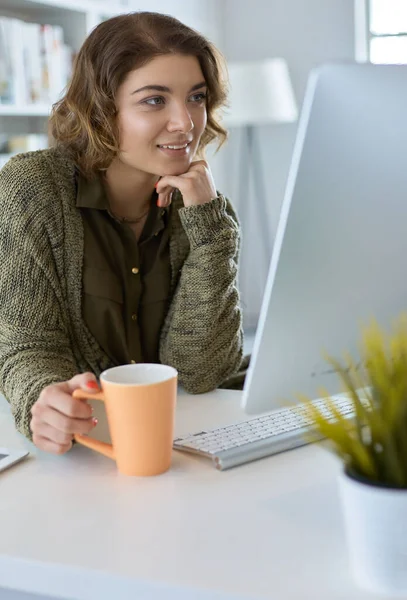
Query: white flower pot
column 375, row 520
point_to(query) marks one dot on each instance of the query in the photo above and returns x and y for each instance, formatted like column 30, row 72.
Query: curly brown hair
column 84, row 121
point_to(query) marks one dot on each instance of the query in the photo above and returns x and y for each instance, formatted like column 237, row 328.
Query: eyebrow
column 163, row 88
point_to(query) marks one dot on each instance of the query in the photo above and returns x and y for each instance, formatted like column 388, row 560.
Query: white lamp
column 260, row 94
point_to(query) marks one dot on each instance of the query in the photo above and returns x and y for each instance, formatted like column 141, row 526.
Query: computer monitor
column 340, row 251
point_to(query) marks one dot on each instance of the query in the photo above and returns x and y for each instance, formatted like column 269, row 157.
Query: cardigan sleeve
column 34, row 344
column 202, row 336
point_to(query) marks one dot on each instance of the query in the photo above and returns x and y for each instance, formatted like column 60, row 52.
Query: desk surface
column 72, row 527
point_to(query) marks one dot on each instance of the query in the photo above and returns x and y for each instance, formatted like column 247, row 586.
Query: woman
column 115, row 245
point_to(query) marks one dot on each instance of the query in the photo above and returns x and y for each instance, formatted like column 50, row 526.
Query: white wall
column 305, row 33
column 203, row 15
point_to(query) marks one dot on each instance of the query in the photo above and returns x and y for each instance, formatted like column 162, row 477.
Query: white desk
column 72, row 527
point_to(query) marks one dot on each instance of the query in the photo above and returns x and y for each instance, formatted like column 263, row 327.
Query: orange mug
column 140, row 407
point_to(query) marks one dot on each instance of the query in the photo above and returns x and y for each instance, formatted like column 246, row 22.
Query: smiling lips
column 181, row 146
column 175, row 150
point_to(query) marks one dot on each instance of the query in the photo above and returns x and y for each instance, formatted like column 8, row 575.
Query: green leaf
column 374, row 444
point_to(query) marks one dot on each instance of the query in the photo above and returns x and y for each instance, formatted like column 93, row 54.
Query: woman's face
column 162, row 104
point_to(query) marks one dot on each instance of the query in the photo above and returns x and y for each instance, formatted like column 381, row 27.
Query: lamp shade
column 260, row 93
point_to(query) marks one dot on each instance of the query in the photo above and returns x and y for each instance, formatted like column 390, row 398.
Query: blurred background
column 270, row 46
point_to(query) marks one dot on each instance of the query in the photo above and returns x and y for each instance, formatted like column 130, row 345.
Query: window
column 386, row 29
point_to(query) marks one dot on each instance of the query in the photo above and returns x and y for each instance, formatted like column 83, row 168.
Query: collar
column 92, row 194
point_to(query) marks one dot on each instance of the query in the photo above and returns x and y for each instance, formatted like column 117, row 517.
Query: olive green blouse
column 126, row 284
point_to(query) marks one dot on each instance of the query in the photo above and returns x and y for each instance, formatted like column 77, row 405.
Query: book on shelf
column 5, row 63
column 35, row 63
column 14, row 144
column 28, row 142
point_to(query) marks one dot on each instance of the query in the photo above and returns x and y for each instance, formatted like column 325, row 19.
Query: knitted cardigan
column 43, row 337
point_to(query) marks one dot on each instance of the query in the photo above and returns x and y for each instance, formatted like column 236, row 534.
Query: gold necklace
column 131, row 221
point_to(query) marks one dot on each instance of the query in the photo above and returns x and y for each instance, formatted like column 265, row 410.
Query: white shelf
column 81, row 6
column 30, row 110
column 77, row 18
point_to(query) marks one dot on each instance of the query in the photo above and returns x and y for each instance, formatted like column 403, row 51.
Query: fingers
column 169, row 182
column 55, row 398
column 48, row 446
column 196, row 171
column 53, row 435
column 85, row 381
column 164, row 194
column 186, row 182
column 60, row 422
column 196, row 185
column 165, row 198
column 59, row 396
column 56, row 415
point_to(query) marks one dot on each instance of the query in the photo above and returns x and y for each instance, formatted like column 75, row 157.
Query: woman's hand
column 196, row 185
column 56, row 416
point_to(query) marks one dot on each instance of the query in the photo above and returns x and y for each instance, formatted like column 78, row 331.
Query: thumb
column 85, row 381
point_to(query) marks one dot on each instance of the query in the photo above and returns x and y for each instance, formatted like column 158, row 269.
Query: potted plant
column 373, row 448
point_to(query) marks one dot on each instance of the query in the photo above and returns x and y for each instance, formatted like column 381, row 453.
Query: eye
column 200, row 97
column 156, row 101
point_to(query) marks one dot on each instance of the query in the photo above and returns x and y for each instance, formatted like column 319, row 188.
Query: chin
column 177, row 168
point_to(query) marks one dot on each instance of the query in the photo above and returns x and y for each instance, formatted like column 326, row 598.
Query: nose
column 180, row 119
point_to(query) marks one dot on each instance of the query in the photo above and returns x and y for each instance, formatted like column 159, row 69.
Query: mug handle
column 85, row 440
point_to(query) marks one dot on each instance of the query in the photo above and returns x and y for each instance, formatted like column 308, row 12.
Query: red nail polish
column 95, row 422
column 93, row 385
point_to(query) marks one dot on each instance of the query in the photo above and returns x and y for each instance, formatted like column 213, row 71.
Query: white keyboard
column 262, row 436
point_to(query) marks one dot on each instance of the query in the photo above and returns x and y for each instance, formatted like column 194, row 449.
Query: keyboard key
column 261, row 436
